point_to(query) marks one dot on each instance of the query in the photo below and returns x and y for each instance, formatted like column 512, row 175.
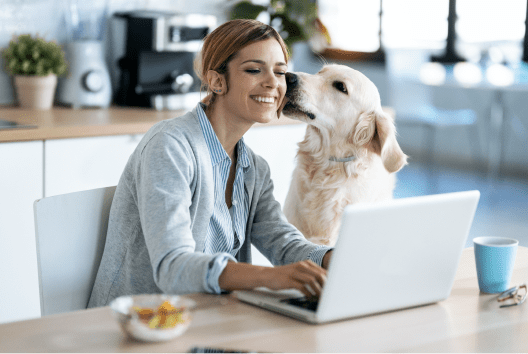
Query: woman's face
column 257, row 82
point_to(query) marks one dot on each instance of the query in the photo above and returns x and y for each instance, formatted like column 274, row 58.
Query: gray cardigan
column 161, row 211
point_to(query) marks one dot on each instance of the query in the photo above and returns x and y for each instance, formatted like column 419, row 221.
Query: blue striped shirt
column 227, row 227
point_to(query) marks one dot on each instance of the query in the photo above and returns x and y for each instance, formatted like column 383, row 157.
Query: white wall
column 44, row 17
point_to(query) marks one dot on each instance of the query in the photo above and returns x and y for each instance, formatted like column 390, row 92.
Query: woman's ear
column 216, row 82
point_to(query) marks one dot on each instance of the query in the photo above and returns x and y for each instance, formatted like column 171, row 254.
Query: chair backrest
column 70, row 234
column 407, row 96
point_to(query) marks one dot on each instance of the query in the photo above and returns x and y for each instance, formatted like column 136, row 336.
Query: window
column 490, row 28
column 353, row 25
column 415, row 23
column 470, row 29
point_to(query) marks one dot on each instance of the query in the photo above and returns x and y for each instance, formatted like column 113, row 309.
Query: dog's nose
column 291, row 80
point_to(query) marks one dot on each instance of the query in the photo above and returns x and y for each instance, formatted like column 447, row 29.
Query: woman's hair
column 223, row 44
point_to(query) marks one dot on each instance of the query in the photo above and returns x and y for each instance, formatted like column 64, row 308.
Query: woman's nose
column 272, row 80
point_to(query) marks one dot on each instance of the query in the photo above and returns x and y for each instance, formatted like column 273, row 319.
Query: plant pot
column 36, row 92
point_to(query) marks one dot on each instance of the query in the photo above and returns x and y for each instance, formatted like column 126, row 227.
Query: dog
column 349, row 153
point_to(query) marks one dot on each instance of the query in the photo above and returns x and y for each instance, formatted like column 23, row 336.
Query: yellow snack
column 166, row 316
column 154, row 322
column 167, row 306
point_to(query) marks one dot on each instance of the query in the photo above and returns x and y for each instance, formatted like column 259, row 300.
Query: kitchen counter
column 65, row 123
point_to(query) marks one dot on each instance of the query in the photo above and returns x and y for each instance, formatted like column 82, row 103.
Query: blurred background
column 453, row 71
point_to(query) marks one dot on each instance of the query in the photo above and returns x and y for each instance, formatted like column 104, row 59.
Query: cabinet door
column 278, row 146
column 20, row 185
column 73, row 165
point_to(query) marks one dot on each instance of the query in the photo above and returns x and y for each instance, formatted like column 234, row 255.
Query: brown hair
column 223, row 44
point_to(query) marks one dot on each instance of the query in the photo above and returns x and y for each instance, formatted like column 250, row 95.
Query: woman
column 193, row 198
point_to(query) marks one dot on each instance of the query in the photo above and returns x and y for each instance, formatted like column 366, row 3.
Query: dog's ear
column 376, row 131
column 365, row 129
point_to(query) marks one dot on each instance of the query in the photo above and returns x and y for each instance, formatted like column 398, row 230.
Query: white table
column 467, row 321
column 497, row 108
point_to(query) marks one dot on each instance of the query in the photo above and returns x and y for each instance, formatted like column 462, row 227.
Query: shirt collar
column 216, row 150
column 243, row 157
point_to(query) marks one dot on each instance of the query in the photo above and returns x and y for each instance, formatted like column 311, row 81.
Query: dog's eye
column 340, row 86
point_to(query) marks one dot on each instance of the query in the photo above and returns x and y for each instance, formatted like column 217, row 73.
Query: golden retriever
column 349, row 153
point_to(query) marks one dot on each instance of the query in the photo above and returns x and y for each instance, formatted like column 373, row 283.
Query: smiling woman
column 193, row 198
column 258, row 71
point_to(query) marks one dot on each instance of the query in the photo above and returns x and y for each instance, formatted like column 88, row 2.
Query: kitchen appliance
column 156, row 69
column 88, row 81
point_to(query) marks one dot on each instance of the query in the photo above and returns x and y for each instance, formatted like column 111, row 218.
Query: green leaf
column 291, row 31
column 21, row 49
column 247, row 10
column 27, row 55
column 13, row 63
column 25, row 66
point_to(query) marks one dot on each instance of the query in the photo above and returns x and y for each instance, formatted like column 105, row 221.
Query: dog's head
column 346, row 104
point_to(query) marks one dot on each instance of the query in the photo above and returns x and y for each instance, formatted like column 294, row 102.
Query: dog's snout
column 291, row 80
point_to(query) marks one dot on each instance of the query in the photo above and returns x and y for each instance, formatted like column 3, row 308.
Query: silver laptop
column 389, row 256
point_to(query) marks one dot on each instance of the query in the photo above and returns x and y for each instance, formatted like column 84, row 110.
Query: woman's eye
column 252, row 71
column 280, row 73
column 340, row 86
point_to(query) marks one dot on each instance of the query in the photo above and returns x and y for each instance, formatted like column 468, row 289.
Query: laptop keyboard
column 309, row 303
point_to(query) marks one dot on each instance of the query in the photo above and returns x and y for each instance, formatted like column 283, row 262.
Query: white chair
column 70, row 233
column 514, row 134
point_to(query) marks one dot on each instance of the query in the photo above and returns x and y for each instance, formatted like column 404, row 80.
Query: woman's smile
column 264, row 99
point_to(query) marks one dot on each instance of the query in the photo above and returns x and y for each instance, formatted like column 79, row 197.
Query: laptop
column 389, row 256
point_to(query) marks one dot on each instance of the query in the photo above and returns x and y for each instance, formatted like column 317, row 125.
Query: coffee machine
column 156, row 69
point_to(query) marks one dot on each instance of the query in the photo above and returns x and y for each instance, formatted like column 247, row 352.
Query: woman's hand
column 305, row 276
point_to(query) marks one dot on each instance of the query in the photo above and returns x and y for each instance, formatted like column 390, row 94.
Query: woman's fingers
column 313, row 280
column 308, row 277
column 304, row 289
column 320, row 273
column 305, row 276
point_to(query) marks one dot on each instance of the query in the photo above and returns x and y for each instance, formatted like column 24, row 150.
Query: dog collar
column 343, row 159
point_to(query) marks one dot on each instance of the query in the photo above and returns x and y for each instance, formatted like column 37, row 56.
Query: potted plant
column 35, row 64
column 295, row 20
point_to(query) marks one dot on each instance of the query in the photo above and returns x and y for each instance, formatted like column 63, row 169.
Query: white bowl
column 124, row 311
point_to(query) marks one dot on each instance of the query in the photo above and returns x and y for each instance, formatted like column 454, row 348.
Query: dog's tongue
column 283, row 103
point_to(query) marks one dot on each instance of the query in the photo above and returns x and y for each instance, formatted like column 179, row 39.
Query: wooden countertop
column 64, row 123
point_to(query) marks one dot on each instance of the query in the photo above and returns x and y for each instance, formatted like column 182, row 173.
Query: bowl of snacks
column 153, row 317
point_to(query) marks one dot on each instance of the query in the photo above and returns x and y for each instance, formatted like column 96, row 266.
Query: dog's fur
column 340, row 124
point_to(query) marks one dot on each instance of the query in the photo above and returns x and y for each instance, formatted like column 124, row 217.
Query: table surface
column 467, row 321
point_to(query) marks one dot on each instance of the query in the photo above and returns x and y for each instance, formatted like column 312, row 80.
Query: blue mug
column 494, row 258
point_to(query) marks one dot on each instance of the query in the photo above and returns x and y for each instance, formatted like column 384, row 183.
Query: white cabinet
column 73, row 165
column 278, row 146
column 33, row 170
column 20, row 185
